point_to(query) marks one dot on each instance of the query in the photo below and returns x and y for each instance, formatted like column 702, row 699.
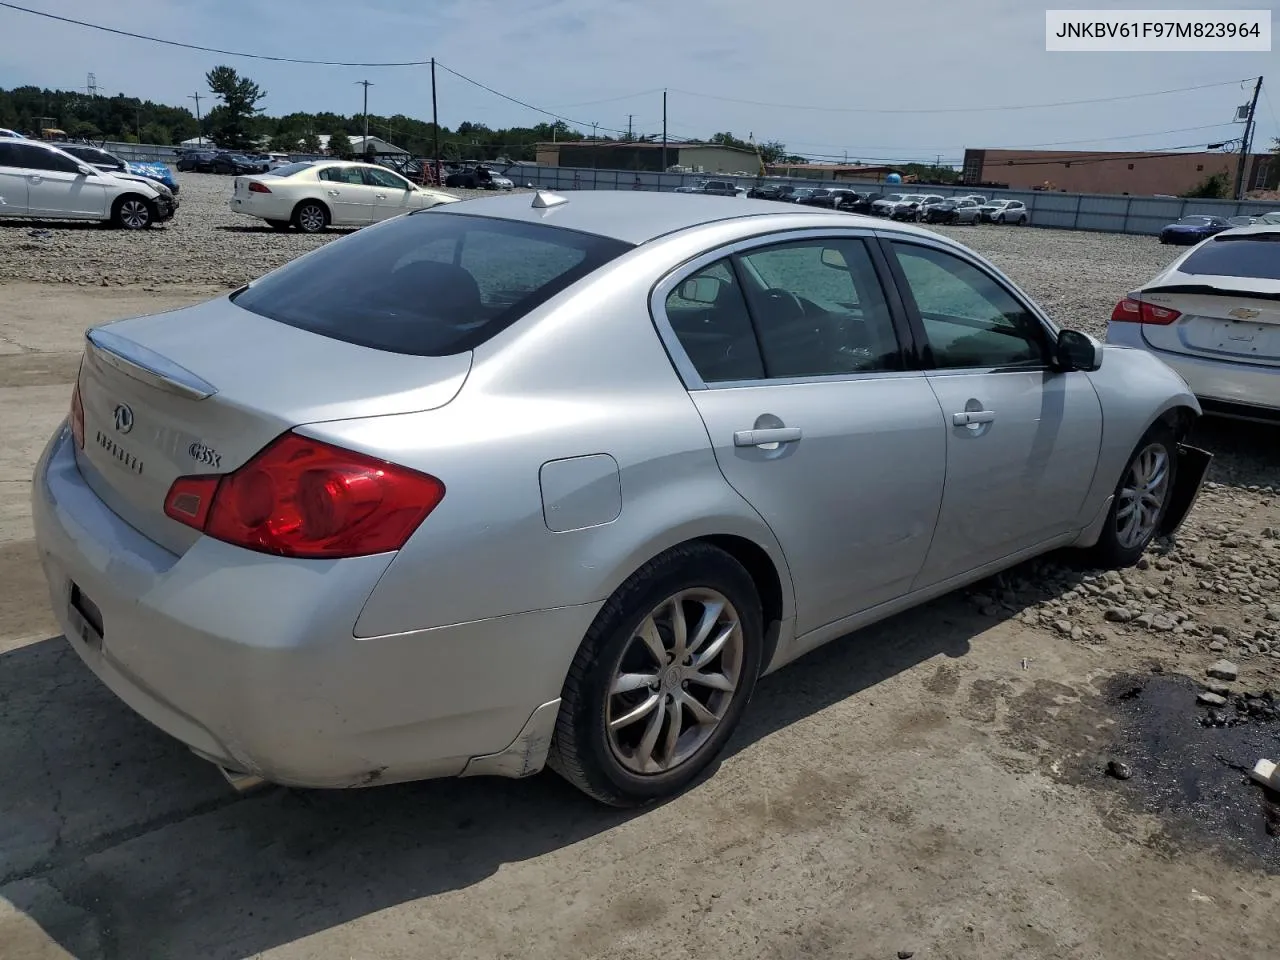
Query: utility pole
column 199, row 126
column 435, row 122
column 630, row 117
column 595, row 146
column 1244, row 142
column 366, row 84
column 664, row 131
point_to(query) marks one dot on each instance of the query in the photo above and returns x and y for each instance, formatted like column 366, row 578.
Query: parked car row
column 363, row 509
column 45, row 181
column 228, row 162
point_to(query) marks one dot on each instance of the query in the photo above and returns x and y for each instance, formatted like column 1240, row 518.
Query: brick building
column 1136, row 174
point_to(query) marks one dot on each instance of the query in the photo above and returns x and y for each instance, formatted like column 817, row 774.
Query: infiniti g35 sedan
column 534, row 481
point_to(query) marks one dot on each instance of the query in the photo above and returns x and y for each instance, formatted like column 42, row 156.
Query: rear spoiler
column 1210, row 290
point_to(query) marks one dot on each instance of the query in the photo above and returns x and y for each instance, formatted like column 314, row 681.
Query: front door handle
column 757, row 438
column 333, row 193
column 973, row 418
column 380, row 196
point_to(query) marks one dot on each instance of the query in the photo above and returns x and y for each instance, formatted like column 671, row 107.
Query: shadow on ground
column 1245, row 453
column 120, row 843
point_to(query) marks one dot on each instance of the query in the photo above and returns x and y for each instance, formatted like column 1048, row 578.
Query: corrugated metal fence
column 1064, row 211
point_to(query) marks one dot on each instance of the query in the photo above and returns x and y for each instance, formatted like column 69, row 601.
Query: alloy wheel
column 674, row 681
column 311, row 218
column 134, row 214
column 1142, row 496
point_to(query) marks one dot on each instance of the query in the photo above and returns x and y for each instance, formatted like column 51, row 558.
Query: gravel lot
column 937, row 786
column 1076, row 276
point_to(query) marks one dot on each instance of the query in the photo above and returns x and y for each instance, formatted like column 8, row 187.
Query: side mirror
column 831, row 257
column 1077, row 351
column 700, row 290
column 87, row 171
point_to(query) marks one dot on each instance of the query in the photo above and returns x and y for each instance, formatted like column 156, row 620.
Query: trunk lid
column 1223, row 318
column 202, row 389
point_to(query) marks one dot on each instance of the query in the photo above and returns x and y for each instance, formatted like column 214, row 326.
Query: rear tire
column 1141, row 500
column 310, row 216
column 617, row 674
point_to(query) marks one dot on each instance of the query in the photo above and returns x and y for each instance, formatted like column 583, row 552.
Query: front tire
column 310, row 216
column 132, row 212
column 661, row 678
column 1141, row 500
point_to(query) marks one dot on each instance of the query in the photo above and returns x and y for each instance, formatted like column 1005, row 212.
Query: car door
column 56, row 187
column 13, row 181
column 392, row 194
column 793, row 356
column 1022, row 438
column 349, row 198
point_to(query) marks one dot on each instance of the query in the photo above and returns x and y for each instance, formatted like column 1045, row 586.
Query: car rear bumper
column 251, row 661
column 1224, row 387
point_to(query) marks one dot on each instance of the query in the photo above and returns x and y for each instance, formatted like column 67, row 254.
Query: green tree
column 156, row 133
column 340, row 145
column 231, row 123
column 286, row 141
column 1213, row 187
column 311, row 142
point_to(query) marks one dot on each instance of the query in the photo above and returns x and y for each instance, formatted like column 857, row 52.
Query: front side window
column 819, row 309
column 377, row 177
column 427, row 284
column 36, row 158
column 970, row 320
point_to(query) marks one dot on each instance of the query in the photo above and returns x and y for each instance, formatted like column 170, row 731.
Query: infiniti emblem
column 124, row 417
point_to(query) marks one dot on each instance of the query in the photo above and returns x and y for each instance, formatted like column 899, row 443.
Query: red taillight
column 255, row 187
column 1130, row 310
column 77, row 416
column 300, row 497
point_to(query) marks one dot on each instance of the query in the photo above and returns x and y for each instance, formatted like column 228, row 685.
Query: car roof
column 639, row 217
column 1251, row 230
column 627, row 215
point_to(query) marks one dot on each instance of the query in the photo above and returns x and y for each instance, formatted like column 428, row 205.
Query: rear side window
column 1250, row 255
column 428, row 284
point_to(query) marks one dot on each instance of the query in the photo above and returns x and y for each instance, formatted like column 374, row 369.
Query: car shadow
column 31, row 225
column 248, row 228
column 118, row 842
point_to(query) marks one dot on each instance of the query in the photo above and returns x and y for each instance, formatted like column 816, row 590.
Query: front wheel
column 132, row 213
column 1141, row 500
column 661, row 678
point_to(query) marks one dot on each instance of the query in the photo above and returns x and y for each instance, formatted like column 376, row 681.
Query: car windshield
column 1255, row 255
column 428, row 284
column 1195, row 221
column 289, row 169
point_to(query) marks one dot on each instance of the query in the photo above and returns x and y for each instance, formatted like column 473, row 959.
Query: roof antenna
column 545, row 198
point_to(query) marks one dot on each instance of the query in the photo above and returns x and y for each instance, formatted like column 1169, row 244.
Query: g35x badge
column 204, row 454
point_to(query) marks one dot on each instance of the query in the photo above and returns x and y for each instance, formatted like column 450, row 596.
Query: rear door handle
column 756, row 438
column 973, row 417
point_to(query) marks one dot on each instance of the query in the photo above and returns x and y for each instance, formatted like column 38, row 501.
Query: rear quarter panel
column 585, row 374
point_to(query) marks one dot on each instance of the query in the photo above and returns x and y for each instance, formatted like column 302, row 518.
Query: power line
column 193, row 46
column 1021, row 106
column 522, row 103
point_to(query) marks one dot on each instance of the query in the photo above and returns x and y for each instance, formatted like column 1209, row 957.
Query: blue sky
column 600, row 60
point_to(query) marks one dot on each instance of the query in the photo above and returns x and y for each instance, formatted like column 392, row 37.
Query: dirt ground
column 933, row 786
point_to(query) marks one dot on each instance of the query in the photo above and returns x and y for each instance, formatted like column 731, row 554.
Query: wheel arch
column 328, row 213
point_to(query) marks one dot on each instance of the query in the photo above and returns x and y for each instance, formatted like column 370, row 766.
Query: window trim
column 732, row 251
column 1048, row 327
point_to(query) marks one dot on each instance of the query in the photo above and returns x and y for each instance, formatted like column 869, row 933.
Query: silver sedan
column 535, row 480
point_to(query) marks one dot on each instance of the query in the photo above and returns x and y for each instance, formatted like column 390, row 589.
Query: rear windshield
column 1250, row 255
column 289, row 169
column 429, row 284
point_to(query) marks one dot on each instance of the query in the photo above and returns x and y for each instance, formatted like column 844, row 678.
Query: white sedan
column 315, row 194
column 1213, row 315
